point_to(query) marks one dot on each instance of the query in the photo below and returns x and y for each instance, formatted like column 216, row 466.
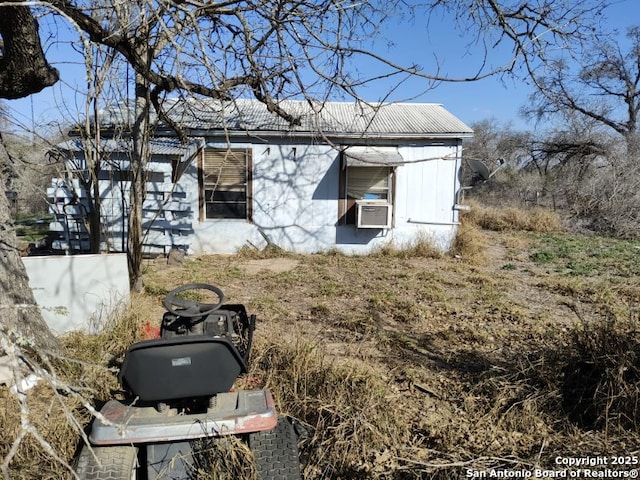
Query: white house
column 349, row 176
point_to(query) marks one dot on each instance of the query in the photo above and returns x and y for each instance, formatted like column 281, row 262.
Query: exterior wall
column 296, row 197
column 295, row 201
column 296, row 189
column 167, row 215
column 426, row 194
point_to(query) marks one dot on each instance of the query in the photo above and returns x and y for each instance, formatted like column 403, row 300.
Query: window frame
column 347, row 204
column 246, row 154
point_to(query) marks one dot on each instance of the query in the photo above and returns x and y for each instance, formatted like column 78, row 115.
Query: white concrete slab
column 78, row 292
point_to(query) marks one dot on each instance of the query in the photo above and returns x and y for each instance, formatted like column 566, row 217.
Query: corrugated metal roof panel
column 159, row 146
column 333, row 118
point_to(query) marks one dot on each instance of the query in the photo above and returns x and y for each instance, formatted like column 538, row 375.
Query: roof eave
column 331, row 135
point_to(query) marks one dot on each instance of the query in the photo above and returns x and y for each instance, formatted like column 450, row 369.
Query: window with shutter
column 225, row 183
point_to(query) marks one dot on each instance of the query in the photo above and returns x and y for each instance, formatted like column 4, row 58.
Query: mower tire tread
column 275, row 452
column 107, row 463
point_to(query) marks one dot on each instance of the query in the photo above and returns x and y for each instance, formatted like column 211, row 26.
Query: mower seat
column 180, row 367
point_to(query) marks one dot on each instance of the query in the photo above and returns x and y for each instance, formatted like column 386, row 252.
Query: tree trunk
column 141, row 152
column 23, row 67
column 19, row 313
column 95, row 200
column 95, row 215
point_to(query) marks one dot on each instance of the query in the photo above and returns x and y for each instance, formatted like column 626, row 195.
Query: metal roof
column 159, row 146
column 417, row 120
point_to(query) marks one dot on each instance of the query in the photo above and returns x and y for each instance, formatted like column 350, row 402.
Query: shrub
column 469, row 244
column 601, row 387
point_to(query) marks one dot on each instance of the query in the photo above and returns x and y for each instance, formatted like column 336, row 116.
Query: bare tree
column 605, row 90
column 532, row 30
column 507, row 153
column 594, row 94
column 277, row 49
column 98, row 62
column 495, row 143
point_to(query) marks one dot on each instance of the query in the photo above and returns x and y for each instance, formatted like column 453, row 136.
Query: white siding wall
column 426, row 193
column 167, row 215
column 295, row 201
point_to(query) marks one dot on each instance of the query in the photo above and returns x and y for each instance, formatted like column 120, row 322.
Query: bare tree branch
column 606, row 88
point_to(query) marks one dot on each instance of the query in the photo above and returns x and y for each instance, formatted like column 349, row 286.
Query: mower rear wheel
column 112, row 463
column 275, row 452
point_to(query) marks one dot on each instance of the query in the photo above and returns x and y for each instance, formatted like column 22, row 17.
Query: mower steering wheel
column 191, row 308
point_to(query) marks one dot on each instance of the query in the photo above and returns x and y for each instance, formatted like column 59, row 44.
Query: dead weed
column 535, row 219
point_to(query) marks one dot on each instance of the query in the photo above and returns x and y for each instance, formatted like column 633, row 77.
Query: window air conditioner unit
column 370, row 214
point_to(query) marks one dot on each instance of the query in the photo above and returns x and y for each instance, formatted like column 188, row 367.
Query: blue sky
column 496, row 97
column 425, row 44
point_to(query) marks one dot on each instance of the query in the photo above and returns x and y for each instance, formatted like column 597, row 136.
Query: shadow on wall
column 295, row 196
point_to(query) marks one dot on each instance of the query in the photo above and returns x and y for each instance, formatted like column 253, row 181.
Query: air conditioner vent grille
column 373, row 214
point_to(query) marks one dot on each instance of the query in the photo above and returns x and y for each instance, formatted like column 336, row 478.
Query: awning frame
column 372, row 156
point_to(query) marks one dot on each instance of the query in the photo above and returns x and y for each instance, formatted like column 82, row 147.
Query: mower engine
column 230, row 323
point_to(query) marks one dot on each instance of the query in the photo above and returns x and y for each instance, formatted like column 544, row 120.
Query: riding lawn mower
column 178, row 395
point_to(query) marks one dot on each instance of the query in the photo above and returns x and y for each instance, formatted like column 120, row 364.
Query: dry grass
column 49, row 417
column 601, row 387
column 536, row 219
column 470, row 244
column 226, row 458
column 270, row 251
column 344, row 405
column 423, row 246
column 405, row 364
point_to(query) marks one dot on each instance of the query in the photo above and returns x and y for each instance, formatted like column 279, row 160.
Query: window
column 373, row 184
column 225, row 179
column 368, row 183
